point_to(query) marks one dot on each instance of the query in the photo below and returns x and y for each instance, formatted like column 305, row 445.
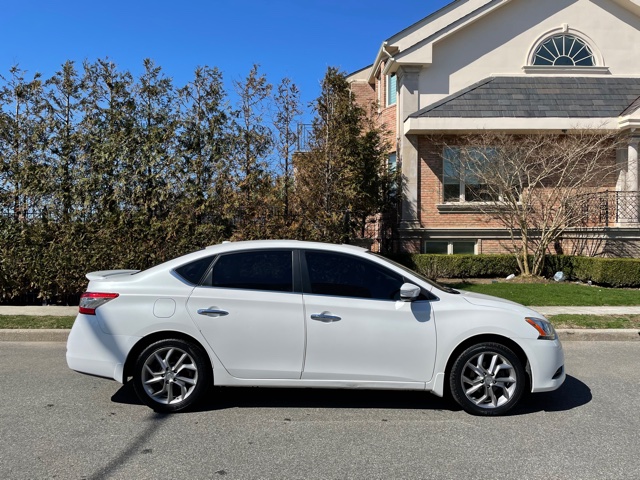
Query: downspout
column 389, row 57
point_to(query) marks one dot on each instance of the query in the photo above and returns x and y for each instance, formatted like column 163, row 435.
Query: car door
column 249, row 313
column 357, row 327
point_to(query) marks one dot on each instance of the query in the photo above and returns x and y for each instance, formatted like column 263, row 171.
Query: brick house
column 510, row 66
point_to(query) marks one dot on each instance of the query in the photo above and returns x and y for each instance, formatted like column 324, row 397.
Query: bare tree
column 535, row 186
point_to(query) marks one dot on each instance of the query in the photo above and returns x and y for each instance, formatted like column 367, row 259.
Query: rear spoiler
column 103, row 274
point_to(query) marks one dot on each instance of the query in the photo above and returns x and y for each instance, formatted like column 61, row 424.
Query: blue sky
column 294, row 38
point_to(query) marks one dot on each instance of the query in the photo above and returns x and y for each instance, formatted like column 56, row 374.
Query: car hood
column 482, row 300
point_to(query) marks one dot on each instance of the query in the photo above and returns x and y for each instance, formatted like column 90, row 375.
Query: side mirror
column 409, row 292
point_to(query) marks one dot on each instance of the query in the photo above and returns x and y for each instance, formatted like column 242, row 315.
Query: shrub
column 612, row 272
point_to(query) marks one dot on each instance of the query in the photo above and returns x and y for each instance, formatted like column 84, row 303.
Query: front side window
column 347, row 276
column 462, row 181
column 564, row 51
column 260, row 270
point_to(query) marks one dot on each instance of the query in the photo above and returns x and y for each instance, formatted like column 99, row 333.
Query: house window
column 450, row 247
column 564, row 51
column 392, row 169
column 392, row 162
column 392, row 89
column 459, row 181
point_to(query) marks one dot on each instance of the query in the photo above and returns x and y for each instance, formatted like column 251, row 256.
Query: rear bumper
column 90, row 350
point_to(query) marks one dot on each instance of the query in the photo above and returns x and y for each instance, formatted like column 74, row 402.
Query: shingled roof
column 535, row 97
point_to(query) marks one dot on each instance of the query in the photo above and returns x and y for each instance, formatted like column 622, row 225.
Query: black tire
column 487, row 379
column 171, row 375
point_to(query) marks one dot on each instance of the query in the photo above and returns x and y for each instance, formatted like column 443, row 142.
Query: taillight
column 89, row 301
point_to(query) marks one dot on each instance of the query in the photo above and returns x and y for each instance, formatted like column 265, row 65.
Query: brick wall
column 374, row 103
column 430, row 151
column 430, row 178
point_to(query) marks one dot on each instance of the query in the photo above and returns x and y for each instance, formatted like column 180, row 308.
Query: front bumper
column 546, row 360
column 90, row 350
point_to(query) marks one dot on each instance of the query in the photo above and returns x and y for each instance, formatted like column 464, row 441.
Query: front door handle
column 212, row 312
column 325, row 317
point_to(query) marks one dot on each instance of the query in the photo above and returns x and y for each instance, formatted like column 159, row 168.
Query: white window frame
column 388, row 90
column 462, row 184
column 553, row 53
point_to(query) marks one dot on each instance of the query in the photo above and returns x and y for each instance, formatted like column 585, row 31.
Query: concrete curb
column 34, row 335
column 566, row 335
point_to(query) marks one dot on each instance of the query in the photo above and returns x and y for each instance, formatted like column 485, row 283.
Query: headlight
column 544, row 328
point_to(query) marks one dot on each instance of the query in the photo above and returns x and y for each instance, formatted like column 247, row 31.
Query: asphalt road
column 55, row 423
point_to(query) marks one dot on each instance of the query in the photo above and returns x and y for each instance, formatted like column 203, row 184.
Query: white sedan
column 299, row 314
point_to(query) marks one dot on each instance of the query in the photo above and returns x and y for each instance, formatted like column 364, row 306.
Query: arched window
column 564, row 50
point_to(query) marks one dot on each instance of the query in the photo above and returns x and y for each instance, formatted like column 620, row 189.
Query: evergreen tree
column 108, row 137
column 64, row 98
column 253, row 142
column 287, row 103
column 204, row 151
column 341, row 181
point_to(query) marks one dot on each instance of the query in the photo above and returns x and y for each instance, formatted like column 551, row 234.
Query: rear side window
column 260, row 270
column 194, row 271
column 347, row 276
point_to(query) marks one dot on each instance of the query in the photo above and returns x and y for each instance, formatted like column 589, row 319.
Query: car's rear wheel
column 487, row 379
column 171, row 375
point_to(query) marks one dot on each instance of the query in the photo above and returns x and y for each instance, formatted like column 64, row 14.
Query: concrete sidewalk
column 50, row 310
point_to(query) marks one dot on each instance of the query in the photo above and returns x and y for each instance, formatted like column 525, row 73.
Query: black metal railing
column 303, row 137
column 610, row 208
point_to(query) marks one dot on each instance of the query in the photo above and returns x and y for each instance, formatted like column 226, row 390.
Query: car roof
column 257, row 244
column 228, row 247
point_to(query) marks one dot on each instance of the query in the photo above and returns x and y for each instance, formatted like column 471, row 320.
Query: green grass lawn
column 559, row 321
column 555, row 294
column 595, row 321
column 30, row 321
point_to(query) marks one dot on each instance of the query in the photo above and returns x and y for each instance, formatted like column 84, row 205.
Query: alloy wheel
column 169, row 375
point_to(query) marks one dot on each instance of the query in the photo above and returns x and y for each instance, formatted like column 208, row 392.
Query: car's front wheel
column 171, row 375
column 487, row 379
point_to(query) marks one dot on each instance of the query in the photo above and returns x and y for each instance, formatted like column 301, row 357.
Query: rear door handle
column 212, row 312
column 325, row 317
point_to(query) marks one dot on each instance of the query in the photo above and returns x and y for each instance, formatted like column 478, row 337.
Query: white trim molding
column 425, row 125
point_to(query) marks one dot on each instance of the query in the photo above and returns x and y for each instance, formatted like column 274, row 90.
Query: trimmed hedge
column 459, row 266
column 611, row 272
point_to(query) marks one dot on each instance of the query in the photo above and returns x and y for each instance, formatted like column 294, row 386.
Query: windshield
column 416, row 274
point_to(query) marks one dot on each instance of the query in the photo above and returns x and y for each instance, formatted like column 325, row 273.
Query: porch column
column 631, row 202
column 632, row 164
column 409, row 102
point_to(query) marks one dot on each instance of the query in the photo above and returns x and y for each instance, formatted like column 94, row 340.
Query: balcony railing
column 303, row 137
column 610, row 209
